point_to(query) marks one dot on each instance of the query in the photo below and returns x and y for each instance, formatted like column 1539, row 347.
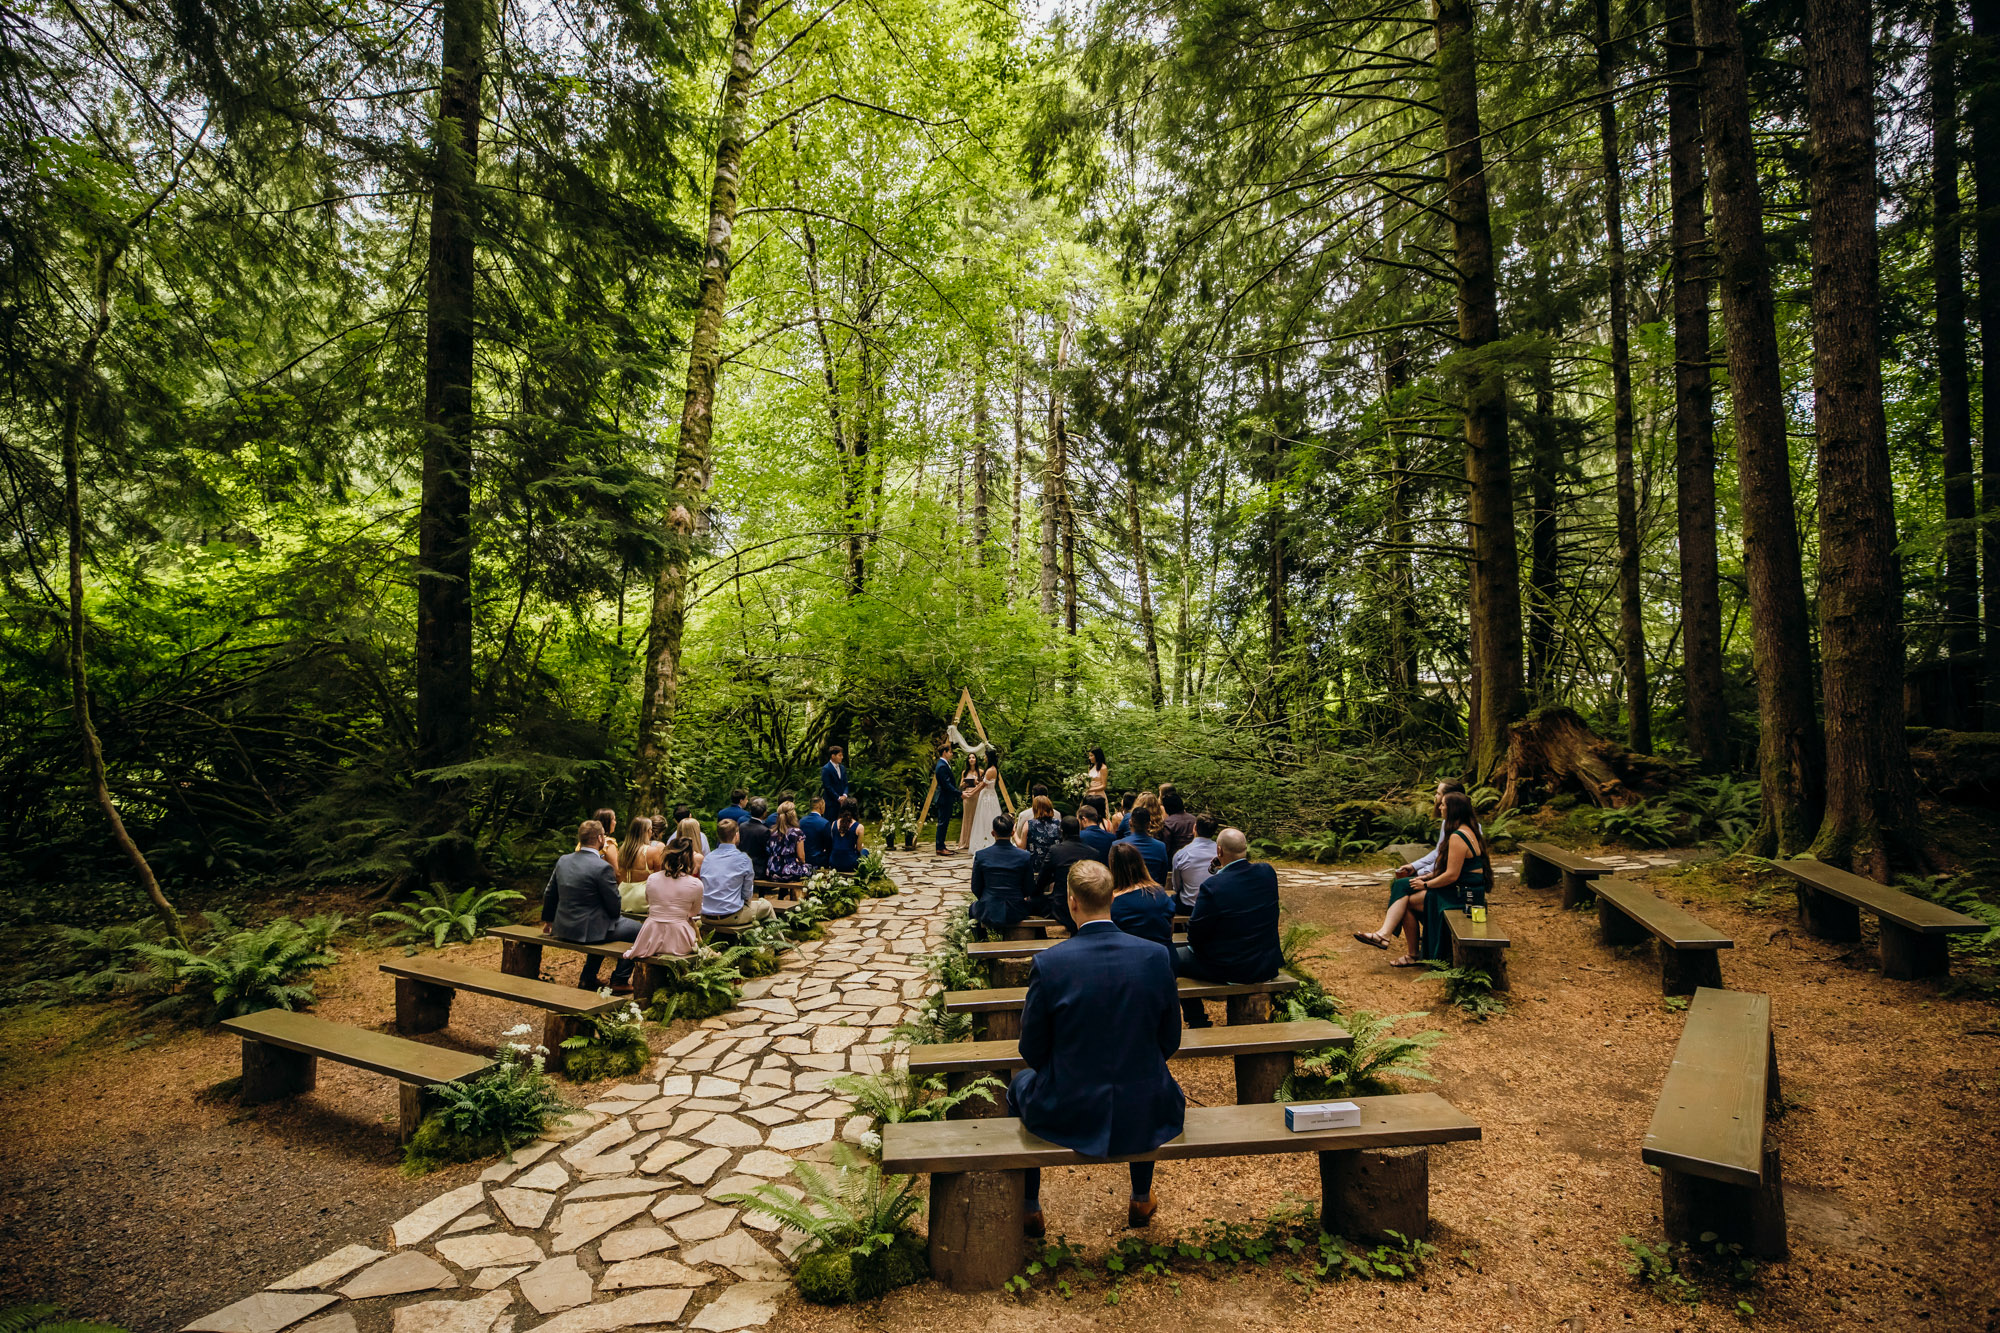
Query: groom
column 947, row 793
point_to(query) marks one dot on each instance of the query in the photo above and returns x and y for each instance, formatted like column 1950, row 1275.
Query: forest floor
column 134, row 1192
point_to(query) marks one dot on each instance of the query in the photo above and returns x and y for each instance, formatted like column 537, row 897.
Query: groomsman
column 833, row 776
column 947, row 793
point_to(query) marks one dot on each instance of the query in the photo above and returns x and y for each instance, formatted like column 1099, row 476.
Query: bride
column 982, row 803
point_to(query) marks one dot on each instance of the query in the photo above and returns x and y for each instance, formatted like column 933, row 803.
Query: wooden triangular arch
column 965, row 704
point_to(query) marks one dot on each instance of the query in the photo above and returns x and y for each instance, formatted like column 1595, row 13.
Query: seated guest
column 728, row 884
column 847, row 850
column 1051, row 892
column 1124, row 820
column 1001, row 882
column 1194, row 862
column 1042, row 789
column 1176, row 825
column 580, row 905
column 690, row 836
column 735, row 809
column 607, row 819
column 788, row 847
column 1151, row 848
column 1233, row 930
column 817, row 830
column 1466, row 876
column 682, row 814
column 673, row 905
column 632, row 866
column 1095, row 836
column 1096, row 1030
column 1039, row 832
column 1139, row 905
column 753, row 835
column 1406, row 877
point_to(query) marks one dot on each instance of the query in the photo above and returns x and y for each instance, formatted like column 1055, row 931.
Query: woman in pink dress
column 673, row 904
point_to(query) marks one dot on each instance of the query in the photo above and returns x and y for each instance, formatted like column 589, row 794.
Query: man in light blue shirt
column 729, row 882
column 1194, row 862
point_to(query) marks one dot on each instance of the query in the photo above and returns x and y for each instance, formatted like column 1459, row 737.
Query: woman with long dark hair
column 1140, row 904
column 1097, row 781
column 1466, row 873
column 847, row 834
column 985, row 803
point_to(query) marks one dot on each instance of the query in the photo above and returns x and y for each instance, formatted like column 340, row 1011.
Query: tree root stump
column 421, row 1007
column 1752, row 1216
column 1367, row 1193
column 1554, row 746
column 274, row 1072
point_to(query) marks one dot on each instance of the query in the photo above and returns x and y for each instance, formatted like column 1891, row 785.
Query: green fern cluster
column 614, row 1047
column 858, row 1222
column 896, row 1096
column 1469, row 989
column 1640, row 824
column 42, row 1318
column 248, row 971
column 1372, row 1064
column 702, row 985
column 486, row 1116
column 437, row 916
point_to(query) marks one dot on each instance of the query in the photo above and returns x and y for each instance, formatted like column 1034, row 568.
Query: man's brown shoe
column 1034, row 1226
column 1139, row 1213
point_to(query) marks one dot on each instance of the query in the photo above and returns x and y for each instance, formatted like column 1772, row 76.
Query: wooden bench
column 989, row 950
column 521, row 956
column 978, row 1194
column 1408, row 853
column 1628, row 913
column 1718, row 1171
column 1915, row 934
column 1480, row 944
column 282, row 1051
column 424, row 992
column 1244, row 1002
column 1543, row 866
column 1263, row 1053
column 1031, row 928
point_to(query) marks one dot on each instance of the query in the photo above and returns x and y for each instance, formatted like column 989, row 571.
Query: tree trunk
column 1631, row 614
column 982, row 454
column 1707, row 717
column 855, row 516
column 1183, row 658
column 1544, row 528
column 1961, row 542
column 444, row 524
column 1871, row 810
column 1020, row 459
column 1402, row 577
column 1984, row 106
column 1134, row 462
column 1052, row 471
column 1790, row 761
column 79, row 681
column 1496, row 587
column 668, row 621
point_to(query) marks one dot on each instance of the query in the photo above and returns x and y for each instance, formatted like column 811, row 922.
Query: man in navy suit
column 1003, row 878
column 818, row 832
column 1151, row 849
column 1093, row 834
column 735, row 809
column 1096, row 1031
column 833, row 777
column 1233, row 930
column 947, row 793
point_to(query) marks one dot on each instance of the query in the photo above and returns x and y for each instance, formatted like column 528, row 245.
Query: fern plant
column 509, row 1105
column 1722, row 808
column 857, row 1222
column 950, row 966
column 930, row 1023
column 1294, row 943
column 94, row 964
column 436, row 916
column 1641, row 824
column 1469, row 989
column 614, row 1047
column 250, row 970
column 1370, row 1065
column 42, row 1318
column 702, row 985
column 895, row 1096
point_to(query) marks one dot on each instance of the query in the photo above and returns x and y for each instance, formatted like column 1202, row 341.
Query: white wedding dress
column 985, row 806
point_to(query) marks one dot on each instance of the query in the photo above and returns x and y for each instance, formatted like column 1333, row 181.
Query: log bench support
column 1252, row 1008
column 1487, row 953
column 1543, row 866
column 557, row 1029
column 274, row 1072
column 1258, row 1077
column 1827, row 917
column 1025, row 931
column 1689, row 951
column 518, row 958
column 1909, row 955
column 1001, row 1025
column 421, row 1007
column 977, row 1108
column 976, row 1223
column 1365, row 1195
column 1752, row 1216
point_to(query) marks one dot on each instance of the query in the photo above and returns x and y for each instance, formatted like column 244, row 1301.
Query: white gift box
column 1301, row 1116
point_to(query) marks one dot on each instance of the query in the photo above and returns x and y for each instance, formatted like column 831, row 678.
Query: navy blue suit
column 1154, row 853
column 1099, row 840
column 947, row 797
column 818, row 832
column 1100, row 1020
column 1003, row 878
column 1233, row 930
column 735, row 812
column 833, row 785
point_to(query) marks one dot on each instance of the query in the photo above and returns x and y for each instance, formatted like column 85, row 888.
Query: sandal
column 1374, row 941
column 1407, row 961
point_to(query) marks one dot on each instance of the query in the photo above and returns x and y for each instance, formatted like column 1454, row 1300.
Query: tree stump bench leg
column 1828, row 917
column 1576, row 889
column 518, row 958
column 1018, row 933
column 421, row 1007
column 1537, row 873
column 1485, row 957
column 1752, row 1216
column 975, row 1223
column 1682, row 970
column 1367, row 1193
column 556, row 1029
column 1237, row 1010
column 1615, row 928
column 1003, row 1025
column 1010, row 972
column 977, row 1108
column 274, row 1072
column 414, row 1104
column 1910, row 955
column 1258, row 1077
column 646, row 979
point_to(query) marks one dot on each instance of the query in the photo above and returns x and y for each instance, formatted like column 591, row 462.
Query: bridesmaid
column 673, row 904
column 1099, row 780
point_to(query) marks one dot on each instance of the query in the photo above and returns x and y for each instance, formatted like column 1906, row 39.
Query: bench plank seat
column 521, row 956
column 1544, row 865
column 424, row 993
column 1915, row 934
column 1247, row 1001
column 987, row 949
column 1480, row 944
column 1627, row 913
column 1717, row 1171
column 280, row 1050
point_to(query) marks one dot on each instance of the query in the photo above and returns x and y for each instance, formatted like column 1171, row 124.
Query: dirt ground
column 130, row 1194
column 1890, row 1168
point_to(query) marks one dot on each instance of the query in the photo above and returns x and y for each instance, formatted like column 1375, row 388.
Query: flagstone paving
column 616, row 1219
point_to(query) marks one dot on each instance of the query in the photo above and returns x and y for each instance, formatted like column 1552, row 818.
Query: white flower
column 518, row 1030
column 871, row 1141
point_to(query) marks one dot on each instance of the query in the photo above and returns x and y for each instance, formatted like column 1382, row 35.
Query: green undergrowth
column 490, row 1115
column 857, row 1221
column 1290, row 1241
column 1688, row 1274
column 614, row 1047
column 41, row 1318
column 1379, row 1059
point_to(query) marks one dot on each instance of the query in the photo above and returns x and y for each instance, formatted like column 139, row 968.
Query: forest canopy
column 427, row 422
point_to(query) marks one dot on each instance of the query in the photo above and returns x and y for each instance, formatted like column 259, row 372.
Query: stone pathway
column 615, row 1221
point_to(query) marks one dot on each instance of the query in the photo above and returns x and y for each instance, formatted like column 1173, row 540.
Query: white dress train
column 985, row 806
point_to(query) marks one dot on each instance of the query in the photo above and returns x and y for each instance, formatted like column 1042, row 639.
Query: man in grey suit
column 581, row 905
